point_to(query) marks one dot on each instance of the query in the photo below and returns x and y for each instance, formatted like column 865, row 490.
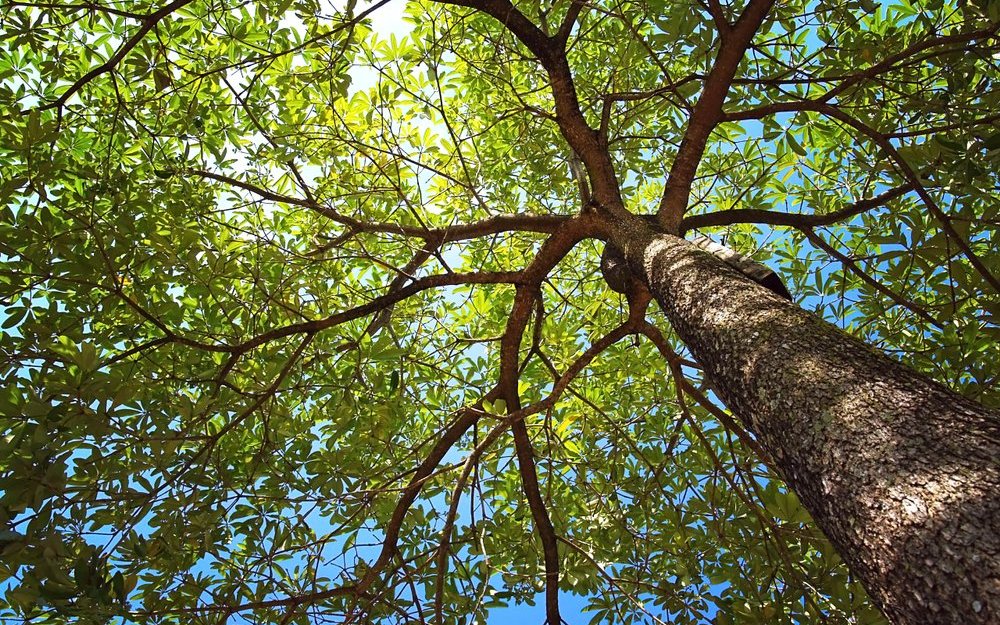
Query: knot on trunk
column 615, row 270
column 621, row 279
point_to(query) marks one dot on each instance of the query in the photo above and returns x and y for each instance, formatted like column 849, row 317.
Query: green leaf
column 258, row 270
column 794, row 144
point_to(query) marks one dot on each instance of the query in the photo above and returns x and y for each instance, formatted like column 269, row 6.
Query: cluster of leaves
column 243, row 305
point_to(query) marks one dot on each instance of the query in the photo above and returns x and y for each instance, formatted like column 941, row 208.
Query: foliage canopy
column 263, row 264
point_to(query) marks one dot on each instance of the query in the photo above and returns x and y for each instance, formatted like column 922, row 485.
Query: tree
column 306, row 321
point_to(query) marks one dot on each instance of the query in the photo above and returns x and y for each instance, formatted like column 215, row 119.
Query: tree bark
column 901, row 473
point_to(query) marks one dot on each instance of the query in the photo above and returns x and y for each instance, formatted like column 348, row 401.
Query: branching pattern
column 303, row 321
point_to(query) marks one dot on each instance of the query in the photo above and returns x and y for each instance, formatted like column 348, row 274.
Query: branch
column 551, row 53
column 449, row 523
column 171, row 477
column 515, row 21
column 765, row 521
column 377, row 304
column 675, row 362
column 888, row 63
column 148, row 23
column 316, row 325
column 466, row 419
column 405, row 275
column 795, row 220
column 867, row 279
column 719, row 17
column 612, row 581
column 890, row 151
column 566, row 27
column 552, row 251
column 512, row 419
column 988, row 119
column 540, row 517
column 83, row 6
column 461, row 232
column 707, row 114
column 529, row 475
column 632, row 96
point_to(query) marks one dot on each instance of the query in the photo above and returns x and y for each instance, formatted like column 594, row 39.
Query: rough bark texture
column 902, row 474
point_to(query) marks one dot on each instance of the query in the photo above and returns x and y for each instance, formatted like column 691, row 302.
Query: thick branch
column 467, row 418
column 551, row 53
column 566, row 27
column 529, row 475
column 707, row 114
column 540, row 517
column 551, row 253
column 634, row 324
column 719, row 17
column 377, row 304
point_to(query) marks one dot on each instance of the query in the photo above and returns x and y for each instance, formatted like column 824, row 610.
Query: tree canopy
column 271, row 277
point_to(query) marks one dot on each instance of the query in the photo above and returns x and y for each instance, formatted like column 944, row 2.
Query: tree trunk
column 902, row 474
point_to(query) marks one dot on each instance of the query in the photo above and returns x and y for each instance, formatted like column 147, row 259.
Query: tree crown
column 297, row 311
